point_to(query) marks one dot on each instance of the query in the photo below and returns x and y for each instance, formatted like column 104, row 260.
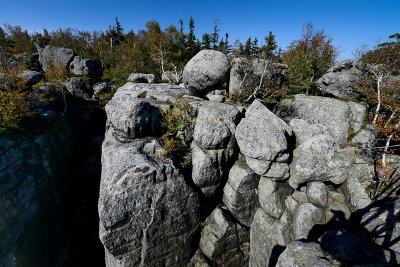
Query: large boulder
column 31, row 77
column 263, row 138
column 240, row 193
column 340, row 80
column 149, row 216
column 272, row 196
column 244, row 72
column 54, row 55
column 337, row 116
column 305, row 217
column 207, row 70
column 76, row 87
column 84, row 67
column 224, row 241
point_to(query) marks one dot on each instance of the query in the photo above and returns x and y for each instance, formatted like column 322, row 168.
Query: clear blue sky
column 351, row 23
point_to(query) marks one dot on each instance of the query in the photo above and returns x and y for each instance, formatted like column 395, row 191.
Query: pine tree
column 215, row 35
column 247, row 48
column 191, row 39
column 206, row 41
column 255, row 50
column 270, row 45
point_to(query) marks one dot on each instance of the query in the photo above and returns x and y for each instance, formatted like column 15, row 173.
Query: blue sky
column 351, row 23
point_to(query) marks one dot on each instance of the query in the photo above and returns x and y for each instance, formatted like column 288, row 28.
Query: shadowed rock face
column 56, row 55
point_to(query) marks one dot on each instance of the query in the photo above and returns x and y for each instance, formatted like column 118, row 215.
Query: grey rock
column 31, row 77
column 300, row 197
column 366, row 138
column 84, row 67
column 198, row 260
column 267, row 237
column 291, row 204
column 77, row 88
column 159, row 92
column 141, row 78
column 300, row 254
column 133, row 118
column 364, row 170
column 216, row 125
column 172, row 76
column 337, row 206
column 358, row 113
column 305, row 217
column 381, row 224
column 262, row 136
column 149, row 216
column 332, row 113
column 278, row 171
column 54, row 55
column 305, row 131
column 209, row 168
column 240, row 193
column 244, row 72
column 272, row 196
column 317, row 194
column 221, row 240
column 207, row 70
column 216, row 98
column 319, row 159
column 339, row 81
column 99, row 88
column 391, row 171
column 356, row 193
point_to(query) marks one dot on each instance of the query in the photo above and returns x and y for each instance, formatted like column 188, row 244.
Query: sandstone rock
column 221, row 240
column 268, row 238
column 272, row 197
column 381, row 224
column 306, row 216
column 299, row 254
column 319, row 159
column 31, row 77
column 207, row 70
column 240, row 193
column 339, row 81
column 317, row 194
column 172, row 76
column 141, row 78
column 262, row 136
column 254, row 70
column 84, row 67
column 149, row 216
column 54, row 55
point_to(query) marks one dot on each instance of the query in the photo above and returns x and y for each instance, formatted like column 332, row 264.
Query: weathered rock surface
column 317, row 194
column 213, row 144
column 54, row 55
column 253, row 70
column 77, row 88
column 381, row 224
column 207, row 70
column 262, row 137
column 99, row 88
column 338, row 116
column 141, row 78
column 268, row 237
column 272, row 196
column 222, row 240
column 133, row 118
column 339, row 81
column 148, row 214
column 240, row 193
column 319, row 159
column 198, row 260
column 84, row 67
column 366, row 138
column 299, row 254
column 306, row 216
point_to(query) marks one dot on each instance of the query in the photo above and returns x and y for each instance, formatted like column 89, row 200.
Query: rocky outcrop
column 76, row 87
column 31, row 77
column 84, row 67
column 54, row 55
column 141, row 78
column 340, row 80
column 207, row 70
column 172, row 76
column 244, row 72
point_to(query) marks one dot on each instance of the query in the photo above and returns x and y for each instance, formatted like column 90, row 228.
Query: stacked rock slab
column 149, row 216
column 213, row 145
